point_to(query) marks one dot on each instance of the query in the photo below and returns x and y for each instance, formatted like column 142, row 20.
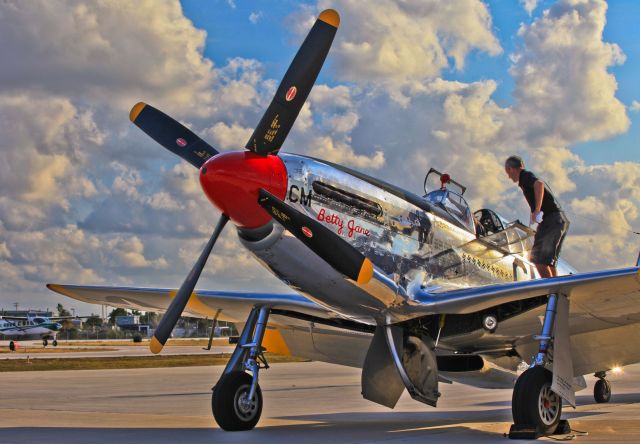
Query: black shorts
column 548, row 239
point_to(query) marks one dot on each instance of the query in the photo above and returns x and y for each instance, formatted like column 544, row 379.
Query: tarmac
column 303, row 402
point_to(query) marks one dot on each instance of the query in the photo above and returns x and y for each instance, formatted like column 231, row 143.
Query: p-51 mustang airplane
column 408, row 288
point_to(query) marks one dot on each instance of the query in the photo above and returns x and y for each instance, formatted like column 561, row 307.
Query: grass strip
column 42, row 364
column 37, row 350
column 145, row 342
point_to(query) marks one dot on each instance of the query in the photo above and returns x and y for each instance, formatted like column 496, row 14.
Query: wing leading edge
column 595, row 289
column 235, row 306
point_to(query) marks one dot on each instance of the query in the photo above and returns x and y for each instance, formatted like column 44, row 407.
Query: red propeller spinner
column 232, row 181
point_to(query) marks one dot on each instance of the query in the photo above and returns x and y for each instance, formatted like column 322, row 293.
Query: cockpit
column 448, row 197
column 454, row 204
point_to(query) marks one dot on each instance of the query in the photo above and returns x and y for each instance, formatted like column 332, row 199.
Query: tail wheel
column 534, row 403
column 231, row 407
column 602, row 391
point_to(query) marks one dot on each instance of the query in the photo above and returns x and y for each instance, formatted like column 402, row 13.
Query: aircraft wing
column 597, row 290
column 233, row 306
column 604, row 315
column 297, row 326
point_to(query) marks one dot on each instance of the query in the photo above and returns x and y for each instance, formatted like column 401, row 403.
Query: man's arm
column 538, row 189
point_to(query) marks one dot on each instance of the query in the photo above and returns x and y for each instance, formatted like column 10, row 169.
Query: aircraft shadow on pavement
column 345, row 432
column 621, row 398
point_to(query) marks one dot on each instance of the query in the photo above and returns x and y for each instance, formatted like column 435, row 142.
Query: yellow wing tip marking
column 366, row 272
column 155, row 346
column 330, row 17
column 55, row 287
column 136, row 110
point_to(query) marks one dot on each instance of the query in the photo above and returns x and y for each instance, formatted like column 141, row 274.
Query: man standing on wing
column 545, row 210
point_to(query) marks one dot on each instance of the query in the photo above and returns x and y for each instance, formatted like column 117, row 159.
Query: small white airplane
column 31, row 327
column 413, row 289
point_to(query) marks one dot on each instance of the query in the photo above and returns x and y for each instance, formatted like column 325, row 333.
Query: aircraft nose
column 233, row 179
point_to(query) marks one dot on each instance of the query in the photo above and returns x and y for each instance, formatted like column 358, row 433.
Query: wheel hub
column 245, row 407
column 548, row 405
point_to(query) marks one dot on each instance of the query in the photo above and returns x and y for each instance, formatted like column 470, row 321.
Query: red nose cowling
column 233, row 179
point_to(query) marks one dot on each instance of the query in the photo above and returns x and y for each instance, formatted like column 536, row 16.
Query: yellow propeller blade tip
column 155, row 346
column 366, row 272
column 331, row 17
column 136, row 110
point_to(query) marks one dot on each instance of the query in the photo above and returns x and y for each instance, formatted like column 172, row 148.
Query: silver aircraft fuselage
column 413, row 242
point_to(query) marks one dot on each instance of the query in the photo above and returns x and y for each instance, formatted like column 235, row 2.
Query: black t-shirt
column 549, row 203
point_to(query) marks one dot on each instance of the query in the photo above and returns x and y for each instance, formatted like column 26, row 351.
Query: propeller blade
column 171, row 134
column 325, row 243
column 178, row 303
column 295, row 86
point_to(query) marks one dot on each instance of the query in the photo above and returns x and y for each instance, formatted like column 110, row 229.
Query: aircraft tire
column 602, row 391
column 534, row 404
column 45, row 342
column 227, row 405
column 55, row 343
column 12, row 346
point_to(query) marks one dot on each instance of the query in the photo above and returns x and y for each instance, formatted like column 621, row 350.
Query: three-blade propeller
column 266, row 140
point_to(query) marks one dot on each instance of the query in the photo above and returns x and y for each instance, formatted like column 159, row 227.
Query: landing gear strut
column 602, row 389
column 237, row 399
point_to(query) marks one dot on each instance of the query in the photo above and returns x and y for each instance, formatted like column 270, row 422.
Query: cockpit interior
column 448, row 197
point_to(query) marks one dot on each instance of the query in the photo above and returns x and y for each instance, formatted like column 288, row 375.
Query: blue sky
column 89, row 199
column 230, row 34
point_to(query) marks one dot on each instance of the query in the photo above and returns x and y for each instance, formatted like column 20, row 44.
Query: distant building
column 132, row 323
column 27, row 313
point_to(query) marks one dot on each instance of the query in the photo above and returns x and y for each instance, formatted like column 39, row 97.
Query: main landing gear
column 237, row 399
column 45, row 342
column 536, row 408
column 602, row 388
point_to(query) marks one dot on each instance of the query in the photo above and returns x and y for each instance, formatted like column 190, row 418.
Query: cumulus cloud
column 635, row 106
column 88, row 198
column 109, row 53
column 409, row 41
column 563, row 89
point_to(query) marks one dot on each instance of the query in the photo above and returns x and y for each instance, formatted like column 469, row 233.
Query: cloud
column 563, row 89
column 99, row 52
column 635, row 106
column 88, row 198
column 227, row 137
column 398, row 42
column 529, row 5
column 255, row 16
